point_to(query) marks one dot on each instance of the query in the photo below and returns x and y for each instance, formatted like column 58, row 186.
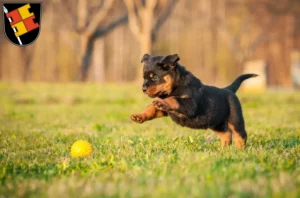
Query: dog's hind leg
column 225, row 135
column 226, row 138
column 236, row 122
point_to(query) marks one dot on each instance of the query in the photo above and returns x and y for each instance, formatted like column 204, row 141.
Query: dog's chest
column 198, row 122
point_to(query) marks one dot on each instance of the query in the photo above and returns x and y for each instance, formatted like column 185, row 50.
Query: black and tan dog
column 190, row 103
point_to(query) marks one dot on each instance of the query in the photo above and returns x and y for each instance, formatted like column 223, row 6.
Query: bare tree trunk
column 288, row 46
column 118, row 56
column 1, row 62
column 87, row 45
column 99, row 60
column 83, row 45
column 146, row 48
column 279, row 55
column 146, row 44
column 88, row 29
column 26, row 68
column 143, row 23
column 214, row 38
column 1, row 67
column 145, row 37
column 27, row 56
column 121, row 49
column 86, row 49
column 82, row 14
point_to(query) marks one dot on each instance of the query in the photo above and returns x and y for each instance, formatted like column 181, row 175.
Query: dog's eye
column 155, row 78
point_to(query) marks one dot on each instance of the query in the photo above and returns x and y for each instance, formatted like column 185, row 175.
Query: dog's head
column 159, row 73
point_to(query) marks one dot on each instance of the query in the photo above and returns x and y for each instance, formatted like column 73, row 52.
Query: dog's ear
column 169, row 61
column 145, row 58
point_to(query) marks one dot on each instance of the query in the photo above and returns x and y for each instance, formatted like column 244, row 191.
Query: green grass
column 39, row 123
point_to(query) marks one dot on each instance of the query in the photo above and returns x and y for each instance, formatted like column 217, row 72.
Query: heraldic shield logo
column 22, row 22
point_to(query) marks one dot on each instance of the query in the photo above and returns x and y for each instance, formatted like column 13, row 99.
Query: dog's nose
column 144, row 88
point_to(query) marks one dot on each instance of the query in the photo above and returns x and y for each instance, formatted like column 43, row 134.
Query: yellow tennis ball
column 81, row 148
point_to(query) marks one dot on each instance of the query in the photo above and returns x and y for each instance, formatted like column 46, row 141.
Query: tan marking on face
column 153, row 89
column 168, row 85
column 151, row 75
column 164, row 87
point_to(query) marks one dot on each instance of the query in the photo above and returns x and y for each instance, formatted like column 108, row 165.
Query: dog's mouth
column 160, row 94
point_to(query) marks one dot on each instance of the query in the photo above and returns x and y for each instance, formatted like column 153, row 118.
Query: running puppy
column 190, row 103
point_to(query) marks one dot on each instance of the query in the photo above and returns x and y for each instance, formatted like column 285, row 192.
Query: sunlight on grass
column 39, row 123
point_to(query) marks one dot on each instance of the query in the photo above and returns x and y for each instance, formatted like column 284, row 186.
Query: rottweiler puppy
column 190, row 103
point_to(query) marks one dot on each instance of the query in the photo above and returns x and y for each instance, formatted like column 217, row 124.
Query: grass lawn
column 39, row 123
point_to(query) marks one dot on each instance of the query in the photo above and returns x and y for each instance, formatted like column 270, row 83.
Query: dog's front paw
column 161, row 105
column 138, row 118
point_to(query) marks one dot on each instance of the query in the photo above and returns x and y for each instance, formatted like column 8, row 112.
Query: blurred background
column 104, row 40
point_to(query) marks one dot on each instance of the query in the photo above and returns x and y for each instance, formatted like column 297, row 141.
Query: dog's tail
column 237, row 83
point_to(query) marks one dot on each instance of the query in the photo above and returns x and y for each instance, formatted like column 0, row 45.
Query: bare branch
column 106, row 29
column 282, row 9
column 86, row 58
column 241, row 53
column 133, row 18
column 165, row 14
column 150, row 5
column 244, row 27
column 100, row 16
column 224, row 33
column 262, row 36
column 161, row 4
column 139, row 4
column 233, row 40
column 139, row 9
column 81, row 14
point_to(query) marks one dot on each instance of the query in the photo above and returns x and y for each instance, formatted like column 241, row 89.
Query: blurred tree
column 90, row 25
column 213, row 38
column 242, row 48
column 27, row 55
column 283, row 44
column 145, row 19
column 1, row 41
